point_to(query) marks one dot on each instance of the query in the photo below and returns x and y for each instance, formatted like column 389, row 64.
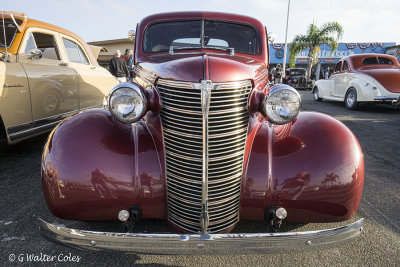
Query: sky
column 97, row 20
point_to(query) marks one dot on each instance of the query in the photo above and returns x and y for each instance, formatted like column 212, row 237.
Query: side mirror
column 35, row 54
column 131, row 34
column 271, row 37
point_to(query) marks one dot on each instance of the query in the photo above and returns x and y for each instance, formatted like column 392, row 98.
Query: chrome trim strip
column 205, row 87
column 189, row 244
column 219, row 86
column 149, row 76
column 184, row 157
column 396, row 99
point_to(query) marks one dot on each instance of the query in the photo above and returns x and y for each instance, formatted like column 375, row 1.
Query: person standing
column 128, row 52
column 130, row 64
column 278, row 74
column 327, row 73
column 118, row 67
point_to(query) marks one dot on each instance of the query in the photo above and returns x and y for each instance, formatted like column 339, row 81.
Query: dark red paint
column 93, row 166
column 315, row 169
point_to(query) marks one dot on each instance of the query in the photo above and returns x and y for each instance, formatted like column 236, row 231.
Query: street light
column 285, row 49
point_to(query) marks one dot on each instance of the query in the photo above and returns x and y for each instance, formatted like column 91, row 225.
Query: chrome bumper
column 395, row 100
column 180, row 244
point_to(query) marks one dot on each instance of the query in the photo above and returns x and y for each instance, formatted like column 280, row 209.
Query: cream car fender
column 325, row 87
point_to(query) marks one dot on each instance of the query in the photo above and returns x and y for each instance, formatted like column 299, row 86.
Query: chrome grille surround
column 182, row 118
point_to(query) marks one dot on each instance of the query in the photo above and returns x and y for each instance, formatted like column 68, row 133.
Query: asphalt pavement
column 377, row 129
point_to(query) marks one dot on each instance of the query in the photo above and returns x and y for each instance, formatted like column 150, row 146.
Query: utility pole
column 285, row 49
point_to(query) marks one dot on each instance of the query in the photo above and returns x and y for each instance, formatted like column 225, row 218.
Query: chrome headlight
column 127, row 102
column 282, row 104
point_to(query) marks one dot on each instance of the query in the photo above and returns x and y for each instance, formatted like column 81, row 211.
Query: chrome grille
column 181, row 117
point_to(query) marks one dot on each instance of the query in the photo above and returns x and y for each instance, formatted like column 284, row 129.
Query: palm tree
column 313, row 39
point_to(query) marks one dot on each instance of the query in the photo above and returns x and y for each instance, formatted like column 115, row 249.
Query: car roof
column 201, row 15
column 32, row 23
column 356, row 60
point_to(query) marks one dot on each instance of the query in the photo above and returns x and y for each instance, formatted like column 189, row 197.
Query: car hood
column 389, row 78
column 194, row 67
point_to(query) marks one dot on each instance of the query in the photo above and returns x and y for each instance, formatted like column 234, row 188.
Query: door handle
column 63, row 64
column 93, row 67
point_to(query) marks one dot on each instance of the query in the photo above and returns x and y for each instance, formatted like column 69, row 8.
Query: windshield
column 9, row 31
column 242, row 38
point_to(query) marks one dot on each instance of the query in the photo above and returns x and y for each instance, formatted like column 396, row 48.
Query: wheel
column 350, row 99
column 3, row 136
column 316, row 94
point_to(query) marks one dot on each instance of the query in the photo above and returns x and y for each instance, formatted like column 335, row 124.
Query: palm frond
column 299, row 43
column 313, row 39
column 331, row 28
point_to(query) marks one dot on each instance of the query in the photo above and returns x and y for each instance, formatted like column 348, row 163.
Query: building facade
column 325, row 57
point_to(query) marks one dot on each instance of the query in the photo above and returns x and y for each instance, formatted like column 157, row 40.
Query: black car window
column 385, row 60
column 242, row 38
column 338, row 66
column 345, row 65
column 45, row 43
column 370, row 60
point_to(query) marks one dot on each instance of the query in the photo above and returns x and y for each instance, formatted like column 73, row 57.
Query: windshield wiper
column 231, row 50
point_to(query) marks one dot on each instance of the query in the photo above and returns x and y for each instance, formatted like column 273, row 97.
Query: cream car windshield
column 205, row 34
column 8, row 31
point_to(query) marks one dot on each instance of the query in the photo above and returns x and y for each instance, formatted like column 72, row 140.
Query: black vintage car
column 297, row 78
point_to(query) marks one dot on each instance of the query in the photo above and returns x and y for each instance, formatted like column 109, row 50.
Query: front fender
column 93, row 166
column 313, row 167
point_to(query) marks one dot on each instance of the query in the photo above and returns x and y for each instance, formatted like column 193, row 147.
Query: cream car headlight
column 127, row 102
column 282, row 104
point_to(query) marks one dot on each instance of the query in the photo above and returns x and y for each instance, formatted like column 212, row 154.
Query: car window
column 338, row 66
column 46, row 43
column 297, row 72
column 74, row 52
column 8, row 30
column 345, row 65
column 370, row 60
column 385, row 60
column 30, row 44
column 242, row 38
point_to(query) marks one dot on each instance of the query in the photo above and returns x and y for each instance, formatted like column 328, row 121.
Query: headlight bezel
column 137, row 89
column 274, row 91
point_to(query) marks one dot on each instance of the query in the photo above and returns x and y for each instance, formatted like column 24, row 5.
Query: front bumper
column 200, row 243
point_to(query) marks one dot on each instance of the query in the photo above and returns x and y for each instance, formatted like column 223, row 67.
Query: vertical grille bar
column 182, row 120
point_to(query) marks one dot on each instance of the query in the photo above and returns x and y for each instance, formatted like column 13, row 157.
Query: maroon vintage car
column 201, row 140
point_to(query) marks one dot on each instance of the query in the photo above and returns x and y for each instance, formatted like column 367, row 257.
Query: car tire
column 350, row 100
column 3, row 136
column 316, row 94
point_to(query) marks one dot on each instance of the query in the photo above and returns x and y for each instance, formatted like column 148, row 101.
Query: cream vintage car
column 47, row 73
column 362, row 78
